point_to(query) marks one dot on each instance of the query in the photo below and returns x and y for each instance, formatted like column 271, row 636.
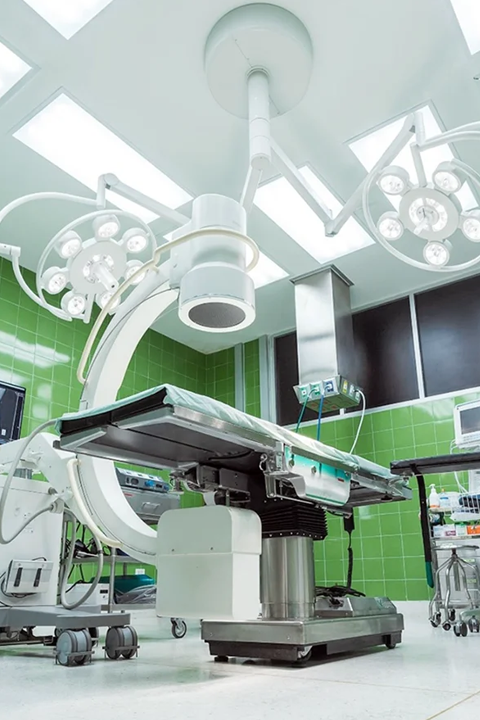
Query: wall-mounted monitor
column 12, row 401
column 467, row 424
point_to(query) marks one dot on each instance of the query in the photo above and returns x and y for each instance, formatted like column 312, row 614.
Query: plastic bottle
column 444, row 500
column 433, row 498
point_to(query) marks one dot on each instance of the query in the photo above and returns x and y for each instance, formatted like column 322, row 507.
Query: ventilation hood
column 326, row 358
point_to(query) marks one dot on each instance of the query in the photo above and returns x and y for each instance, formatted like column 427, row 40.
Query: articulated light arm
column 111, row 182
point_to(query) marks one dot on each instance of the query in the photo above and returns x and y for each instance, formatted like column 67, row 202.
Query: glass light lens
column 54, row 280
column 69, row 245
column 392, row 184
column 471, row 228
column 106, row 226
column 391, row 228
column 132, row 267
column 135, row 240
column 447, row 181
column 436, row 253
column 103, row 299
column 74, row 303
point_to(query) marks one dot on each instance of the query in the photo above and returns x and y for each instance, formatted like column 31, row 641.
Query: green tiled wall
column 220, row 376
column 387, row 541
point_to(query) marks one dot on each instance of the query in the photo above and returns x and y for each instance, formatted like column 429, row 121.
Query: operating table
column 290, row 481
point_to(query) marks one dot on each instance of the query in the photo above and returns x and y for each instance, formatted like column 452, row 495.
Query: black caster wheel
column 473, row 625
column 391, row 645
column 179, row 628
column 221, row 659
column 446, row 625
column 434, row 623
column 121, row 642
column 460, row 629
column 452, row 615
column 304, row 657
column 74, row 647
column 436, row 620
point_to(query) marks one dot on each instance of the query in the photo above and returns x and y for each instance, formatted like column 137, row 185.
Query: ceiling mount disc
column 258, row 36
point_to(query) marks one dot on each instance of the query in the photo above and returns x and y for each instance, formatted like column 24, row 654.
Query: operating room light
column 427, row 212
column 12, row 69
column 103, row 299
column 446, row 179
column 470, row 224
column 68, row 16
column 69, row 245
column 132, row 267
column 54, row 280
column 135, row 240
column 73, row 303
column 106, row 226
column 437, row 253
column 390, row 226
column 394, row 180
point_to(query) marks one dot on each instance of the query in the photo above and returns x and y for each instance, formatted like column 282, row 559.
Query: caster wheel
column 391, row 645
column 446, row 625
column 179, row 628
column 436, row 620
column 221, row 659
column 452, row 615
column 460, row 629
column 74, row 647
column 434, row 623
column 121, row 642
column 473, row 625
column 304, row 656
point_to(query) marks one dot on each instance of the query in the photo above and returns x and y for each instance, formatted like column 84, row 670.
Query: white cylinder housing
column 216, row 293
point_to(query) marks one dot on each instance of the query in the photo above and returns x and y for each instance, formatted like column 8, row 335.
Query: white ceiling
column 138, row 68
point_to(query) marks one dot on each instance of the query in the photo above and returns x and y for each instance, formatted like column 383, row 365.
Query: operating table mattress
column 168, row 427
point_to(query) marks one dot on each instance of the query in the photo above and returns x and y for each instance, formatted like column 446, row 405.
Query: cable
column 85, row 516
column 152, row 265
column 8, row 482
column 320, row 408
column 302, row 412
column 360, row 423
column 93, row 584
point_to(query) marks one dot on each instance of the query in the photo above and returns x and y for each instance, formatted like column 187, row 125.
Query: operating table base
column 295, row 641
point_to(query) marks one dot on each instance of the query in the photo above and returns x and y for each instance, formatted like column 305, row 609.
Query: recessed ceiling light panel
column 468, row 16
column 12, row 69
column 288, row 210
column 68, row 16
column 77, row 143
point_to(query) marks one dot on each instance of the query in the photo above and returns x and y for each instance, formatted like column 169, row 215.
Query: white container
column 433, row 498
column 209, row 563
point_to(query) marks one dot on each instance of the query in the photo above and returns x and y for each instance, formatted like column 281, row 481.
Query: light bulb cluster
column 432, row 212
column 94, row 268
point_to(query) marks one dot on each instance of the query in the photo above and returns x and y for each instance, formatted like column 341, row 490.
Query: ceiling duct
column 326, row 359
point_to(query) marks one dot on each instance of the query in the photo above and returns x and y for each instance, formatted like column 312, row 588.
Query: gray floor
column 433, row 674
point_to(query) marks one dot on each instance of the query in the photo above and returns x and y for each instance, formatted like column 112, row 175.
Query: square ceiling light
column 12, row 69
column 68, row 16
column 371, row 147
column 281, row 202
column 468, row 16
column 81, row 146
column 265, row 271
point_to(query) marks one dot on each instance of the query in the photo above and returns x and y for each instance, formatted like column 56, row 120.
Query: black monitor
column 12, row 400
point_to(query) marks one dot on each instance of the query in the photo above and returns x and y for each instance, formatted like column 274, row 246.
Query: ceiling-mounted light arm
column 111, row 182
column 333, row 226
column 260, row 148
column 284, row 165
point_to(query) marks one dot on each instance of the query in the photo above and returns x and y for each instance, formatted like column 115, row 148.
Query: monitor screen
column 470, row 420
column 12, row 399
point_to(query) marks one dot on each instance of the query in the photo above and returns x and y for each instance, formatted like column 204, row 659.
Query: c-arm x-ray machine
column 272, row 489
